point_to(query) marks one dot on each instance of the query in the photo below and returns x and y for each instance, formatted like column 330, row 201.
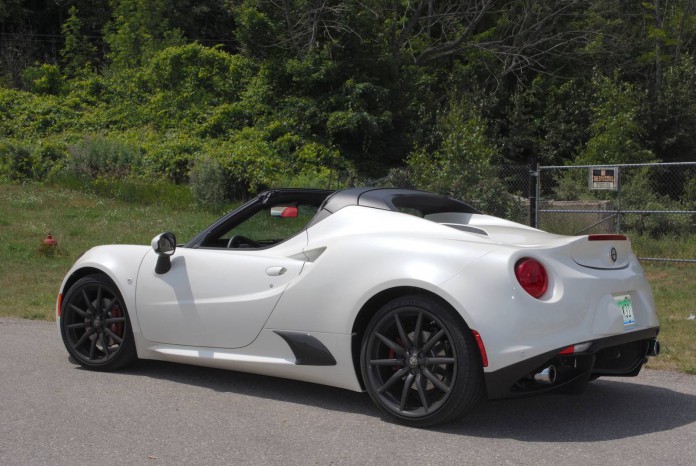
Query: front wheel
column 95, row 326
column 420, row 364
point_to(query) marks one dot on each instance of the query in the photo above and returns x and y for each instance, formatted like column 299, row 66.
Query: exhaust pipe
column 546, row 376
column 653, row 348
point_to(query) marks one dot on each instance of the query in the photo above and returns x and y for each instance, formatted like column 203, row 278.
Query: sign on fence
column 604, row 178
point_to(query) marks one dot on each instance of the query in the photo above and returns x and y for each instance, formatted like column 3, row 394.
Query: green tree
column 615, row 131
column 139, row 28
column 77, row 53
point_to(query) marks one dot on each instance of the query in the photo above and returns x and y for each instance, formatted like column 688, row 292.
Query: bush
column 395, row 178
column 321, row 178
column 49, row 157
column 172, row 158
column 24, row 162
column 208, row 182
column 43, row 79
column 639, row 193
column 97, row 156
column 184, row 82
column 16, row 162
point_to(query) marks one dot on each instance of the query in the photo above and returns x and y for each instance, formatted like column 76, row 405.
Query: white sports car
column 417, row 298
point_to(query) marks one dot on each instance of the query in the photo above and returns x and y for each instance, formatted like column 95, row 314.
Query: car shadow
column 242, row 383
column 608, row 410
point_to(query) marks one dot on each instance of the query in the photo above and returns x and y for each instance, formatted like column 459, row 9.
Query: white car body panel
column 379, row 256
column 209, row 297
column 267, row 355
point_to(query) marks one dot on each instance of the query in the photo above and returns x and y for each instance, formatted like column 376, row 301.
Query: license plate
column 626, row 308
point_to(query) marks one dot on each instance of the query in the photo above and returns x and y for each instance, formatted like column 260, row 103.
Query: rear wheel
column 95, row 326
column 420, row 365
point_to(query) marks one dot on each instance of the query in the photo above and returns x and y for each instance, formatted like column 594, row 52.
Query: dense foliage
column 233, row 95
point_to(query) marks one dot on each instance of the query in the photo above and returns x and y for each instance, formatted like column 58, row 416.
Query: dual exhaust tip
column 547, row 376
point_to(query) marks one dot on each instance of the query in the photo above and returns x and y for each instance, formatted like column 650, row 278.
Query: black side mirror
column 164, row 245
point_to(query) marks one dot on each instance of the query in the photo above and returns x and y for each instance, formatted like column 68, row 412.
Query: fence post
column 618, row 200
column 533, row 181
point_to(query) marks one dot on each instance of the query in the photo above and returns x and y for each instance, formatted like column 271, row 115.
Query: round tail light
column 532, row 276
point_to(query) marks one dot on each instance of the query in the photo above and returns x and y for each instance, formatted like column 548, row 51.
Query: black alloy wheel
column 95, row 326
column 420, row 365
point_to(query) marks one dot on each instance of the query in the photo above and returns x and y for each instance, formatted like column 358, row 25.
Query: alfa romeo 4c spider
column 419, row 299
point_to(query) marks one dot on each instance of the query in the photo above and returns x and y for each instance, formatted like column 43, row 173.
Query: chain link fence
column 655, row 204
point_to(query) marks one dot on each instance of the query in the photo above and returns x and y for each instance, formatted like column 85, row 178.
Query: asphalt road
column 54, row 413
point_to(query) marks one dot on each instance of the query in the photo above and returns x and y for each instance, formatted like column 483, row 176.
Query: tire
column 420, row 365
column 95, row 326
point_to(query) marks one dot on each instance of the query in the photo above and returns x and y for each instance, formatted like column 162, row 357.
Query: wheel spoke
column 79, row 311
column 81, row 340
column 404, row 338
column 391, row 344
column 92, row 347
column 434, row 339
column 110, row 306
column 78, row 325
column 435, row 381
column 405, row 391
column 418, row 329
column 116, row 338
column 396, row 376
column 90, row 307
column 420, row 386
column 437, row 361
column 387, row 362
column 99, row 299
column 105, row 348
column 115, row 320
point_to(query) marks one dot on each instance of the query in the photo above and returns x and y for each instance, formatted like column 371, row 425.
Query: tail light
column 532, row 276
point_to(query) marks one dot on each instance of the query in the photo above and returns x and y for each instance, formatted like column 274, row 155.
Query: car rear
column 562, row 311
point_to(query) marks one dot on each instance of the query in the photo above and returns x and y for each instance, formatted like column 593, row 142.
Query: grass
column 675, row 299
column 79, row 221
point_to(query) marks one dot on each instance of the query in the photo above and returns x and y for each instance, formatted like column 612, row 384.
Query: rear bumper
column 619, row 355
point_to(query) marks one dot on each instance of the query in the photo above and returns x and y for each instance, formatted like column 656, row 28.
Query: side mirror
column 164, row 245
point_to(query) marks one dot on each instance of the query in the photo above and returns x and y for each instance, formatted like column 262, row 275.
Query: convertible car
column 416, row 298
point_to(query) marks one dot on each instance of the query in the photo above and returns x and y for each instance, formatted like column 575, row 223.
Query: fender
column 121, row 263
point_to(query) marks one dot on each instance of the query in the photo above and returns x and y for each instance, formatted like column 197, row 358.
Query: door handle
column 275, row 271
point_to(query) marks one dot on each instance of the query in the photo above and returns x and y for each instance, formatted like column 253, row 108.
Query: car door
column 211, row 297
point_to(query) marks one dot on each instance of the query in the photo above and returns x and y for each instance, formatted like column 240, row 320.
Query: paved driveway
column 53, row 412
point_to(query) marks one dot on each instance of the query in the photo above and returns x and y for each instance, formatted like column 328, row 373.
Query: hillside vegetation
column 228, row 96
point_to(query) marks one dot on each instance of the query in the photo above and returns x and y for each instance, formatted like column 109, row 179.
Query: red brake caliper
column 118, row 327
column 392, row 354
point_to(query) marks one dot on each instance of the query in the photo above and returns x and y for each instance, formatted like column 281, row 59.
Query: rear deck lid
column 601, row 251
